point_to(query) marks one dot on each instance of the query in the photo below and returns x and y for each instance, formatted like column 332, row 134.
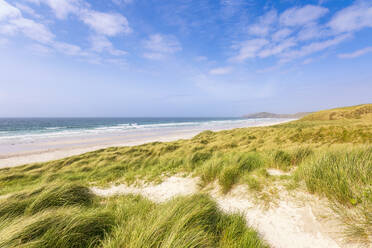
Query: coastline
column 57, row 148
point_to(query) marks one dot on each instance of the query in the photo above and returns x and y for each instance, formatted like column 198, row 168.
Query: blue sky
column 182, row 57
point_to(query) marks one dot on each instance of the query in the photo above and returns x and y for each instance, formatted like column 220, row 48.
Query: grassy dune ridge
column 328, row 153
column 71, row 216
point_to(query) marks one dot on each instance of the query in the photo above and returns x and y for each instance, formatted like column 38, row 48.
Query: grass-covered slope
column 363, row 111
column 328, row 153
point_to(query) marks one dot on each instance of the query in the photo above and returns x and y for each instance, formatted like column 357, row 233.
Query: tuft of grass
column 344, row 177
column 184, row 222
column 65, row 227
column 228, row 177
column 252, row 182
column 235, row 233
column 210, row 170
column 249, row 161
column 62, row 195
column 282, row 160
column 301, row 154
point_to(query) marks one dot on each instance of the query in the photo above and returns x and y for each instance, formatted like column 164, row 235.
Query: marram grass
column 329, row 152
column 125, row 221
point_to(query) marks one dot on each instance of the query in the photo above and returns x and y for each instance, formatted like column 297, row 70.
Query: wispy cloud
column 264, row 24
column 274, row 49
column 281, row 34
column 221, row 70
column 61, row 8
column 249, row 49
column 101, row 44
column 298, row 32
column 27, row 10
column 313, row 48
column 355, row 54
column 12, row 23
column 353, row 18
column 109, row 24
column 300, row 16
column 8, row 11
column 33, row 30
column 158, row 46
column 68, row 49
column 39, row 49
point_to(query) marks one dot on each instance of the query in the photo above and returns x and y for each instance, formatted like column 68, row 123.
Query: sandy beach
column 15, row 152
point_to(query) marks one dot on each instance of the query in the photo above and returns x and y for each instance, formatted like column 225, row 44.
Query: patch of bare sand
column 293, row 221
column 2, row 197
column 169, row 188
column 276, row 172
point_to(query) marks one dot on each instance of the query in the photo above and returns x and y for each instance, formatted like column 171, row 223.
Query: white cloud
column 61, row 8
column 356, row 53
column 263, row 26
column 249, row 49
column 281, row 34
column 8, row 29
column 301, row 16
column 8, row 11
column 296, row 33
column 68, row 49
column 277, row 48
column 352, row 18
column 28, row 10
column 40, row 49
column 312, row 31
column 12, row 23
column 32, row 29
column 160, row 46
column 308, row 61
column 162, row 43
column 118, row 62
column 221, row 71
column 101, row 43
column 312, row 48
column 154, row 56
column 109, row 24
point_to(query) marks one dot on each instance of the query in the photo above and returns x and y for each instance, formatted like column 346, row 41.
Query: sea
column 41, row 135
column 53, row 127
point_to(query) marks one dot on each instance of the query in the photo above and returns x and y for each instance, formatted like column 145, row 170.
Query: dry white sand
column 57, row 148
column 276, row 172
column 291, row 222
column 171, row 187
column 54, row 154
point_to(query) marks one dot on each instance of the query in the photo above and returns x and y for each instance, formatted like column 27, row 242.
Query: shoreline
column 54, row 149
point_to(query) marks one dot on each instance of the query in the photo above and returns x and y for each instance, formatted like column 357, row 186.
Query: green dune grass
column 70, row 216
column 328, row 153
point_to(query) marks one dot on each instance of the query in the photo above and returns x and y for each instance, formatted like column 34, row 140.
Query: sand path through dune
column 286, row 224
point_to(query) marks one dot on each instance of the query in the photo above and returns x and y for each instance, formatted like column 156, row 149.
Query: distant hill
column 272, row 115
column 363, row 111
